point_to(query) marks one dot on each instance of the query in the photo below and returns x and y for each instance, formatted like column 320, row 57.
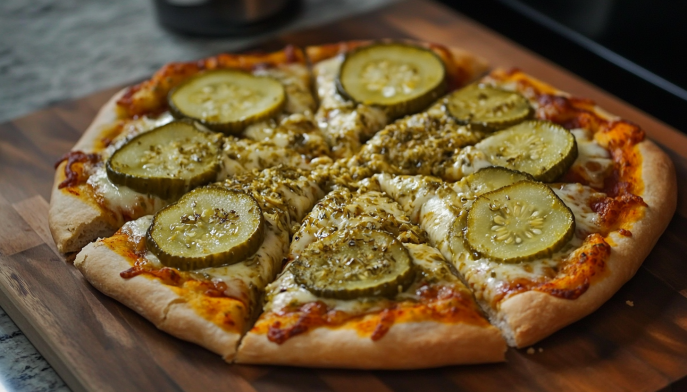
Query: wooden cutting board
column 97, row 344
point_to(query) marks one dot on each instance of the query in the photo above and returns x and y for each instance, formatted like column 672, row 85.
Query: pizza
column 365, row 204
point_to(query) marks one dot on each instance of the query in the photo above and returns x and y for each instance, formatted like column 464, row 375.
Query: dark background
column 634, row 49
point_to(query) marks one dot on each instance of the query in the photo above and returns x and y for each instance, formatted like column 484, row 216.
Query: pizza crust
column 529, row 317
column 411, row 345
column 166, row 309
column 75, row 219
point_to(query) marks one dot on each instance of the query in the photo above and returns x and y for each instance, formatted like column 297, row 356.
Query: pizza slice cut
column 363, row 289
column 539, row 256
column 364, row 85
column 86, row 203
column 189, row 270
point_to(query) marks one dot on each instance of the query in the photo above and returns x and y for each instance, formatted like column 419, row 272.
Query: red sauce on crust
column 74, row 169
column 437, row 303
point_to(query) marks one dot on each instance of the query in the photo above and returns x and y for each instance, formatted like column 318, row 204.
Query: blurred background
column 634, row 49
column 52, row 50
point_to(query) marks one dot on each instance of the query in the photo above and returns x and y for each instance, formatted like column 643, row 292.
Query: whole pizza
column 367, row 204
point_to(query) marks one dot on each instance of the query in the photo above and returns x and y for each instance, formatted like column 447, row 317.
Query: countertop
column 56, row 50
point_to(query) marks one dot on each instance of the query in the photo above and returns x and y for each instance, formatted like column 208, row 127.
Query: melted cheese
column 124, row 202
column 426, row 143
column 345, row 124
column 298, row 132
column 440, row 206
column 343, row 209
column 593, row 162
column 242, row 155
column 283, row 194
column 296, row 81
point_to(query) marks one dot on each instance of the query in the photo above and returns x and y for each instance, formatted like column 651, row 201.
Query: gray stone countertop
column 53, row 50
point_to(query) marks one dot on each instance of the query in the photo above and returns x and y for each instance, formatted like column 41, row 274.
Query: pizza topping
column 207, row 227
column 489, row 179
column 541, row 148
column 488, row 108
column 167, row 161
column 355, row 263
column 519, row 222
column 400, row 78
column 75, row 175
column 227, row 100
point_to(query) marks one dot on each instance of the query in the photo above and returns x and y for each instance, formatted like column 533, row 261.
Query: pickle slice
column 355, row 263
column 227, row 100
column 488, row 108
column 520, row 222
column 207, row 227
column 400, row 78
column 492, row 178
column 541, row 148
column 167, row 161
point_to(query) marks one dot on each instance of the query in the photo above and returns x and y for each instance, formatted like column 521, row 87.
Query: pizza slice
column 364, row 290
column 198, row 268
column 541, row 255
column 92, row 198
column 363, row 85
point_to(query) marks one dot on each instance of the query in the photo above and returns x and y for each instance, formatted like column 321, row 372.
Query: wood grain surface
column 96, row 344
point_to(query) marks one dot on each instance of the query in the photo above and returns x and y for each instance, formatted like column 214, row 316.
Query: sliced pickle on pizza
column 353, row 264
column 227, row 100
column 167, row 161
column 207, row 227
column 492, row 178
column 520, row 222
column 400, row 78
column 540, row 148
column 488, row 108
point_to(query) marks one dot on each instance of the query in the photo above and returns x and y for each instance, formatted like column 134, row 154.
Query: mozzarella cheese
column 593, row 162
column 439, row 206
column 283, row 194
column 343, row 209
column 344, row 123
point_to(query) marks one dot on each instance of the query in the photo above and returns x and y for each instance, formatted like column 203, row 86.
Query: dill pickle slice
column 353, row 264
column 488, row 108
column 227, row 100
column 520, row 222
column 484, row 180
column 207, row 227
column 400, row 78
column 492, row 178
column 540, row 148
column 167, row 161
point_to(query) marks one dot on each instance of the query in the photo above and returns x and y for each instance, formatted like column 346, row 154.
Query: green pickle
column 487, row 108
column 540, row 148
column 227, row 100
column 167, row 161
column 353, row 264
column 400, row 78
column 520, row 222
column 207, row 227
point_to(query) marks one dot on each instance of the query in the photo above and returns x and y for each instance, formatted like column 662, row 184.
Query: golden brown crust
column 150, row 298
column 75, row 218
column 411, row 345
column 533, row 315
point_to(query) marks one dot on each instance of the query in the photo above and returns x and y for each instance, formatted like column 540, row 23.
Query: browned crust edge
column 533, row 315
column 76, row 220
column 166, row 309
column 411, row 345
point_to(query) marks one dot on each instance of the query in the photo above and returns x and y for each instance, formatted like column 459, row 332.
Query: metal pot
column 224, row 17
